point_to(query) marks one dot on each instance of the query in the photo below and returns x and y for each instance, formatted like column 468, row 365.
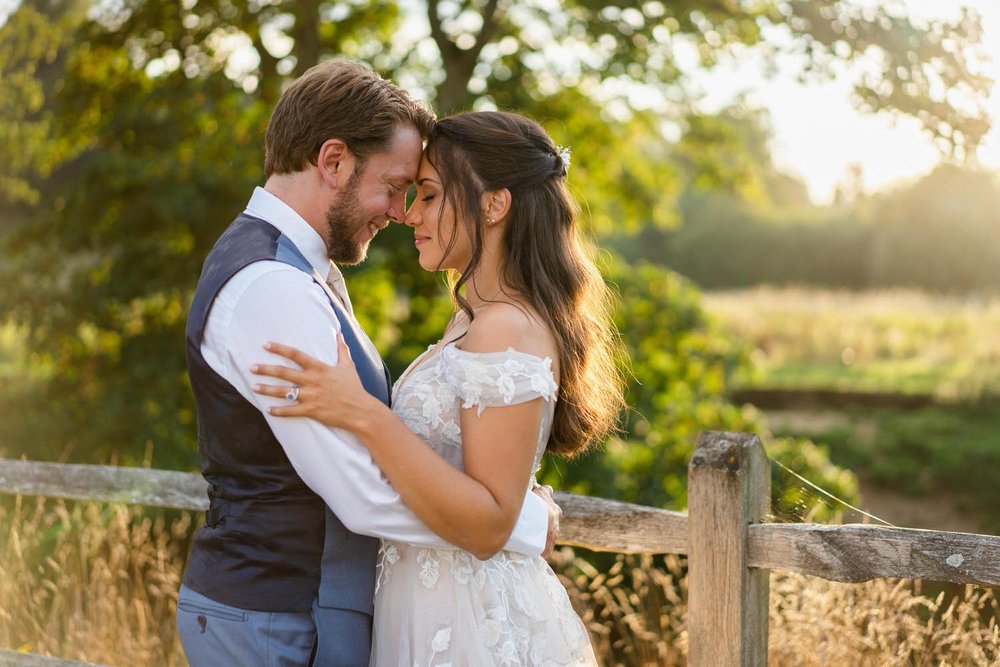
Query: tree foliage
column 926, row 236
column 29, row 52
column 516, row 49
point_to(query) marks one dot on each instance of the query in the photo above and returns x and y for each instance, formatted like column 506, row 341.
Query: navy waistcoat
column 269, row 542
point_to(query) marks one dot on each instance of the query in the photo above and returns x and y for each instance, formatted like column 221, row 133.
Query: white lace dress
column 440, row 607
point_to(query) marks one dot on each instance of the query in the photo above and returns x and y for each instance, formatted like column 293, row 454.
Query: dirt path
column 934, row 512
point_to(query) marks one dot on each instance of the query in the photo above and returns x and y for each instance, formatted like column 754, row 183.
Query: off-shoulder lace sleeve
column 490, row 379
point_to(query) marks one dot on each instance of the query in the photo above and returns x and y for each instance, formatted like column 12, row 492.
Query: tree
column 939, row 233
column 29, row 55
column 518, row 50
column 100, row 269
column 513, row 52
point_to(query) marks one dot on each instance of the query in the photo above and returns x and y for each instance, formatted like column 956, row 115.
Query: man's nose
column 397, row 208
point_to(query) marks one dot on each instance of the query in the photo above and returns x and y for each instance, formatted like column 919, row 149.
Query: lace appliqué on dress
column 497, row 378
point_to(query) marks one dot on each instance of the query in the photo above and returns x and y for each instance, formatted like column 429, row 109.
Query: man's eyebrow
column 396, row 181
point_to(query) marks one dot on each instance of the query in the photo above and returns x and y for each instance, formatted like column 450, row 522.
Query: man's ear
column 496, row 205
column 335, row 163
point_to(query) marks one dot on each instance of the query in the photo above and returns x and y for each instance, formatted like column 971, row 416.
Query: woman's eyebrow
column 426, row 179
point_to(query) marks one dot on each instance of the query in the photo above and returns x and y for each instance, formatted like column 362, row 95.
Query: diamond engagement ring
column 293, row 394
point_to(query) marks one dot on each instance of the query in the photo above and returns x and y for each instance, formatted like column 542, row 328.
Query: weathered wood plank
column 608, row 525
column 729, row 482
column 840, row 553
column 594, row 523
column 157, row 488
column 856, row 552
column 10, row 658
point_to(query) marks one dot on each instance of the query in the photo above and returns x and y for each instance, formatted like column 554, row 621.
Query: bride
column 525, row 365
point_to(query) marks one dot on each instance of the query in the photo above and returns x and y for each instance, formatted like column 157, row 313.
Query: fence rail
column 10, row 658
column 730, row 546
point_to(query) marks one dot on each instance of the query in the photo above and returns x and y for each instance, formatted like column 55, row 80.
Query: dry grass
column 90, row 581
column 636, row 613
column 98, row 583
column 816, row 622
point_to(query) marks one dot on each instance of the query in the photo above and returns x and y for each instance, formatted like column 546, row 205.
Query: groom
column 285, row 563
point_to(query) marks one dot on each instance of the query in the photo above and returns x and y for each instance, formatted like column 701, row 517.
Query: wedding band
column 293, row 394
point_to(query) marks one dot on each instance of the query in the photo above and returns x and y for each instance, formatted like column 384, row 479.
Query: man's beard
column 345, row 219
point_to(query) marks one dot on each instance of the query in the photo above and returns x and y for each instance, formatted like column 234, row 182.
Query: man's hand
column 555, row 514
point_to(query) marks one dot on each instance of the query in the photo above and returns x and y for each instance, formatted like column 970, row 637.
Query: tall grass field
column 884, row 341
column 945, row 348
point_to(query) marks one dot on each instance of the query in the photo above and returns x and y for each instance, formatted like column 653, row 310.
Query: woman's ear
column 335, row 163
column 496, row 205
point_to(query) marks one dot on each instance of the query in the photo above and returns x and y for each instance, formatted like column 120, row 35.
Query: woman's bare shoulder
column 500, row 325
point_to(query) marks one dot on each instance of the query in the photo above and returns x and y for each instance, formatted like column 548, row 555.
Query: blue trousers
column 218, row 635
column 343, row 637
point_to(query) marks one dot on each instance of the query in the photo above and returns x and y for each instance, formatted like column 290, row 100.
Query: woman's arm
column 476, row 510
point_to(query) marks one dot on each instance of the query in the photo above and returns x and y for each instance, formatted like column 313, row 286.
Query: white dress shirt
column 272, row 301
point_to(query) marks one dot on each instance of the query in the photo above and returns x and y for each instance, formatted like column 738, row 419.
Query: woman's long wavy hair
column 544, row 260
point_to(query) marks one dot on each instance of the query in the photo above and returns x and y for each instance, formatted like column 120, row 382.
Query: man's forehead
column 400, row 171
column 403, row 157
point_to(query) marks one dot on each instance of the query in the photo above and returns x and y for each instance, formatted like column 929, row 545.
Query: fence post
column 729, row 487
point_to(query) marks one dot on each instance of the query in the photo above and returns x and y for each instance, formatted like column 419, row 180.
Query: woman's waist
column 449, row 554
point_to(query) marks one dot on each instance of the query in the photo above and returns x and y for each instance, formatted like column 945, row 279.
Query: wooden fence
column 729, row 544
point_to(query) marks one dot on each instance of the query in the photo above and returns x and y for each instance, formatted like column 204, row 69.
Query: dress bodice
column 430, row 395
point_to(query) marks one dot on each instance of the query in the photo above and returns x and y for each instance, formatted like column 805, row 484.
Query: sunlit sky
column 817, row 133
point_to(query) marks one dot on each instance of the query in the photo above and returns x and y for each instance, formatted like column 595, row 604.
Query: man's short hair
column 338, row 99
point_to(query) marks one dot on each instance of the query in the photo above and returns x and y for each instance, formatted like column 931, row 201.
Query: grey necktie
column 335, row 279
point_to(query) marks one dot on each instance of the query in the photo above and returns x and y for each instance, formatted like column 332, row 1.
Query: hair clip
column 564, row 153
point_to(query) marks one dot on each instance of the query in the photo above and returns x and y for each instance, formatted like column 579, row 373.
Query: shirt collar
column 269, row 208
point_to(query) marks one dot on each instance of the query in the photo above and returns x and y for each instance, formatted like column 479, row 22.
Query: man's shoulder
column 270, row 280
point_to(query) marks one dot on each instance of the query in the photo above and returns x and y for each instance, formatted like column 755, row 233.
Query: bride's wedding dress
column 440, row 607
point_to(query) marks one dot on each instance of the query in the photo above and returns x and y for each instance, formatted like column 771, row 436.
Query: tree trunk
column 453, row 92
column 306, row 35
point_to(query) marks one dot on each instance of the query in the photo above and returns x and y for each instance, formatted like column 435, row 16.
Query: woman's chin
column 428, row 263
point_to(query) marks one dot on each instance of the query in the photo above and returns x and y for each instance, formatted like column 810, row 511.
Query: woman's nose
column 412, row 216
